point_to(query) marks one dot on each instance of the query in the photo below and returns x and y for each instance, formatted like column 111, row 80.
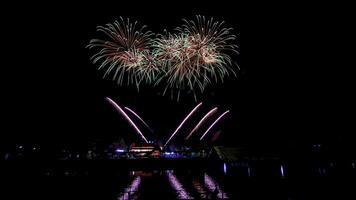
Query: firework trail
column 118, row 108
column 211, row 112
column 138, row 117
column 214, row 123
column 126, row 52
column 181, row 124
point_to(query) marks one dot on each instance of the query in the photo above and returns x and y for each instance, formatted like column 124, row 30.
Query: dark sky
column 289, row 88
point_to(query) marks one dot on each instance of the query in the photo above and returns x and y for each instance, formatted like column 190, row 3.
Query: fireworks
column 212, row 125
column 207, row 115
column 126, row 52
column 119, row 109
column 187, row 117
column 138, row 117
column 181, row 124
column 197, row 54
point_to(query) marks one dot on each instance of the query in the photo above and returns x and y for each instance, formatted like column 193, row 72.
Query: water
column 170, row 184
column 185, row 182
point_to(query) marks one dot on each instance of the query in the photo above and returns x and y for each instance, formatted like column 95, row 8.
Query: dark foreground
column 180, row 179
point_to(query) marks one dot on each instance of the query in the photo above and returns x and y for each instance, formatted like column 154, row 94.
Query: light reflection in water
column 212, row 185
column 131, row 189
column 248, row 171
column 182, row 194
column 199, row 188
column 282, row 171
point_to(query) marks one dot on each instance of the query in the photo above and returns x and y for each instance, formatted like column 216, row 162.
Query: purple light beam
column 211, row 112
column 138, row 117
column 214, row 124
column 181, row 124
column 118, row 108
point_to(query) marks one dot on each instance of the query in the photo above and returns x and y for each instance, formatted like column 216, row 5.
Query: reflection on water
column 183, row 185
column 177, row 186
column 224, row 168
column 282, row 171
column 214, row 187
column 131, row 191
column 111, row 181
column 199, row 188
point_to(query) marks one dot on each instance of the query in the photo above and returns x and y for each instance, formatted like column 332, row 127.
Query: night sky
column 290, row 89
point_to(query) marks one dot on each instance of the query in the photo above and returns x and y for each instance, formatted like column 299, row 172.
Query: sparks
column 211, row 112
column 118, row 108
column 181, row 124
column 197, row 54
column 214, row 123
column 138, row 117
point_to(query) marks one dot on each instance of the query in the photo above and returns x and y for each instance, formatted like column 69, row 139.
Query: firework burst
column 196, row 55
column 125, row 53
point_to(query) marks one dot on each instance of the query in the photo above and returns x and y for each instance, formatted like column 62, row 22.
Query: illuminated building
column 145, row 150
